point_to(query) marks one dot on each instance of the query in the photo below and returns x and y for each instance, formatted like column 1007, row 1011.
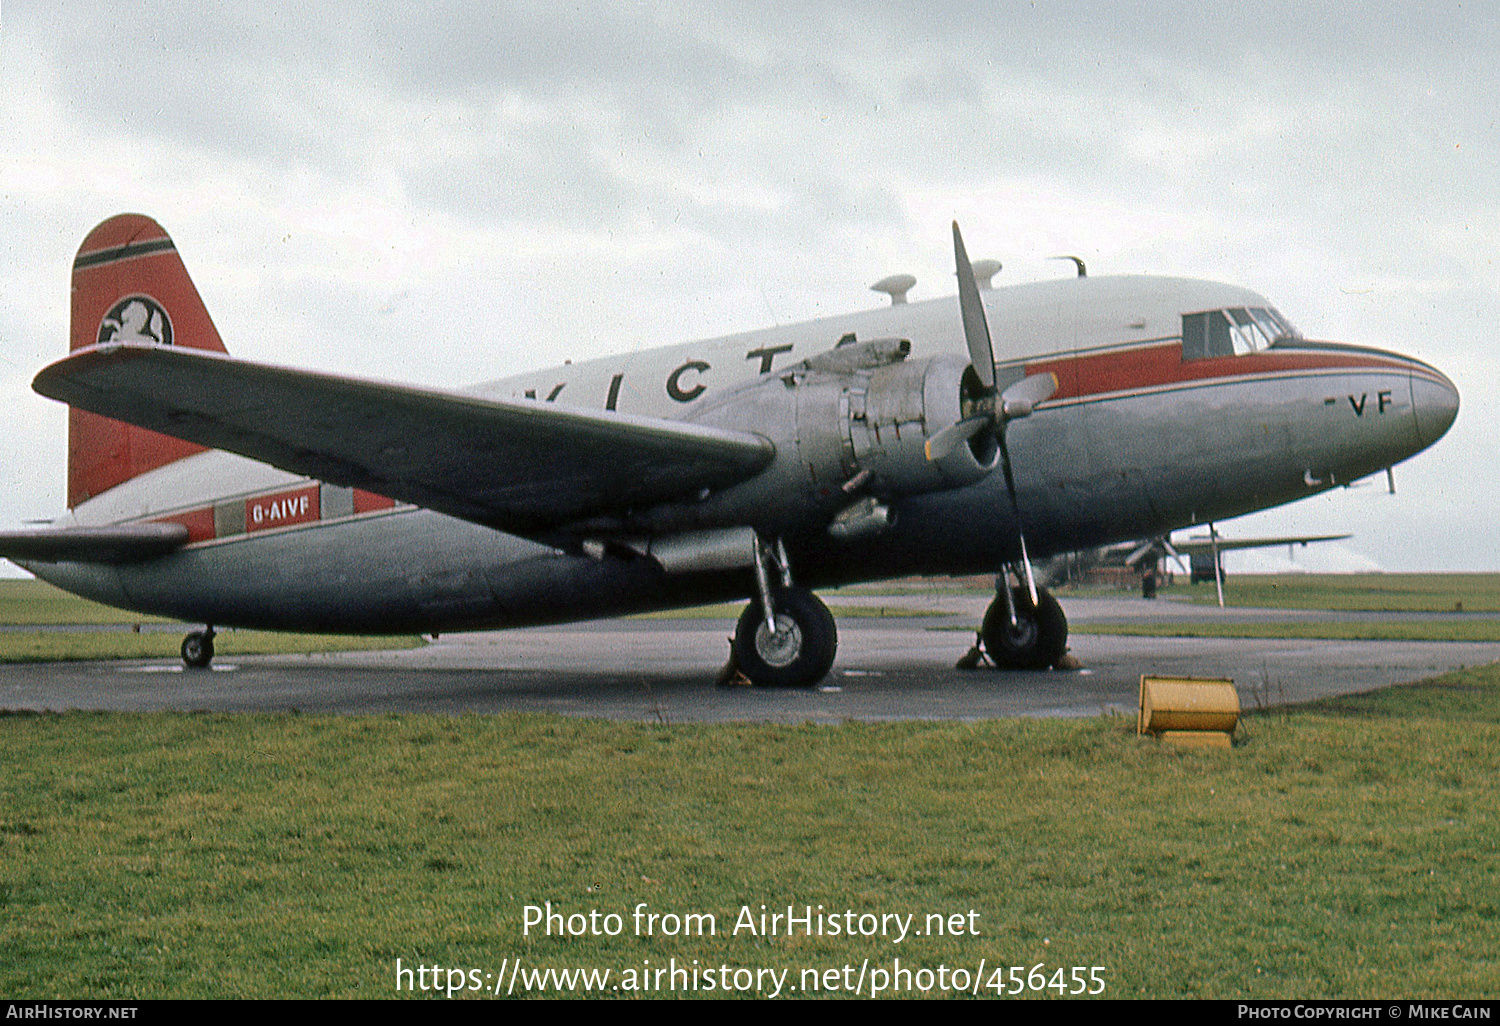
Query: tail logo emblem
column 136, row 319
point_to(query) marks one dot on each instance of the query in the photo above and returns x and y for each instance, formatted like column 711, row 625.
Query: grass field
column 1382, row 630
column 973, row 584
column 732, row 610
column 1341, row 849
column 37, row 603
column 27, row 602
column 56, row 646
column 1473, row 593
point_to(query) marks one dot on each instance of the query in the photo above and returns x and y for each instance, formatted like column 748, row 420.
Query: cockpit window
column 1232, row 332
column 1245, row 336
column 1205, row 335
column 1275, row 326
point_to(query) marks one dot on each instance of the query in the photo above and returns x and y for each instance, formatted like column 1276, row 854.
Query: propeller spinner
column 986, row 411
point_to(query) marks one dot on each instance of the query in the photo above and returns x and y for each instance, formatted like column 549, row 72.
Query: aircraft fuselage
column 1178, row 402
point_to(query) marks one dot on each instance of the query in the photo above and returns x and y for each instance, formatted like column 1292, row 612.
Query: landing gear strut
column 1035, row 639
column 787, row 637
column 198, row 649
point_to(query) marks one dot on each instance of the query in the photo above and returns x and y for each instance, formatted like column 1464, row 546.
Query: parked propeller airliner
column 757, row 465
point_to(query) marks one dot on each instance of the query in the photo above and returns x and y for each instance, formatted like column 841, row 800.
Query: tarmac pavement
column 663, row 670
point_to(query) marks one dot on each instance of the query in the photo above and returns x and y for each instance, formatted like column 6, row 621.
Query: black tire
column 1036, row 641
column 804, row 652
column 197, row 650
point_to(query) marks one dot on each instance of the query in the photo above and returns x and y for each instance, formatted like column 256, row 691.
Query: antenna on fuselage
column 984, row 270
column 896, row 286
column 1083, row 272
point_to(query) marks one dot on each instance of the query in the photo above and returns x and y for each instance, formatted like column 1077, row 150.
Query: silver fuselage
column 1136, row 442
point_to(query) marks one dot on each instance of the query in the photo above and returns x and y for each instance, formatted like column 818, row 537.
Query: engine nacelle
column 897, row 408
column 848, row 425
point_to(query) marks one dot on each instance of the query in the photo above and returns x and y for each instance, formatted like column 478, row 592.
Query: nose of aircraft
column 1434, row 401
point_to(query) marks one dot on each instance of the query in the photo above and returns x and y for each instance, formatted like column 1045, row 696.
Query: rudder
column 129, row 284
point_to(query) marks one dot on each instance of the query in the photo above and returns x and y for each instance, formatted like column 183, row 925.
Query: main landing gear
column 786, row 638
column 1020, row 636
column 198, row 649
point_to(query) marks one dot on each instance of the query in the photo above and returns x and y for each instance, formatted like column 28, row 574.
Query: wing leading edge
column 528, row 468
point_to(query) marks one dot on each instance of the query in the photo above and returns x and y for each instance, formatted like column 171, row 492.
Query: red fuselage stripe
column 265, row 512
column 1158, row 366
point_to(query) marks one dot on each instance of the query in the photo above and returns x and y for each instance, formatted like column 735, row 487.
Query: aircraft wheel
column 797, row 652
column 198, row 650
column 1038, row 638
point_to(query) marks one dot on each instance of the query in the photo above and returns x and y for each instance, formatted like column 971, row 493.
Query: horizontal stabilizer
column 526, row 467
column 120, row 543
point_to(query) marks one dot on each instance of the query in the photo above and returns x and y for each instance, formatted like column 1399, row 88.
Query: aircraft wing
column 1205, row 546
column 526, row 467
column 1201, row 546
column 122, row 543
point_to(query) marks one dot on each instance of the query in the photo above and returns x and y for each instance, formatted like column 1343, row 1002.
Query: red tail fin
column 129, row 285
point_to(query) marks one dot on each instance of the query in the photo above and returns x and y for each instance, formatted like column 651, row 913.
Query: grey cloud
column 943, row 91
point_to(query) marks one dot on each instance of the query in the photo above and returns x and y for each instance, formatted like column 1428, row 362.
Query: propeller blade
column 976, row 328
column 1015, row 508
column 1023, row 395
column 948, row 439
column 1019, row 399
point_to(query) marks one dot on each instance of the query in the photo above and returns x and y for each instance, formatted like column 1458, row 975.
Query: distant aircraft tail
column 129, row 285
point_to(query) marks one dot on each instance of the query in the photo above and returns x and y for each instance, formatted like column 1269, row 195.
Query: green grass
column 1393, row 592
column 1341, row 849
column 37, row 603
column 1385, row 630
column 941, row 584
column 732, row 610
column 25, row 602
column 68, row 646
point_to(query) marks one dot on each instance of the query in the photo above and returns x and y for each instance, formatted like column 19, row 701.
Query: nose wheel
column 198, row 649
column 1036, row 639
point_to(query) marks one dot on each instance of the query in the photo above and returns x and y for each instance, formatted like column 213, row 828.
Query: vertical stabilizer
column 129, row 285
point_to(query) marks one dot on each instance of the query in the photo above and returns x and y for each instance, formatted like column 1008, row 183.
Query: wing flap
column 120, row 543
column 522, row 466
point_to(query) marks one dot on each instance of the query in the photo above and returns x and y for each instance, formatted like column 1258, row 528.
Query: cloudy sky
column 449, row 192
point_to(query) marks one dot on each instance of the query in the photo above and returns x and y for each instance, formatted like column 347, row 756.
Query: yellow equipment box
column 1174, row 704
